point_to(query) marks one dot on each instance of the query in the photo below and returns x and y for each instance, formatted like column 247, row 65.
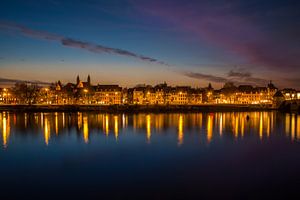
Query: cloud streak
column 239, row 74
column 207, row 77
column 70, row 42
column 239, row 77
column 13, row 81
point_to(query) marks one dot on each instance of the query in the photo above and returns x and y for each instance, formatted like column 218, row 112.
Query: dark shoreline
column 135, row 108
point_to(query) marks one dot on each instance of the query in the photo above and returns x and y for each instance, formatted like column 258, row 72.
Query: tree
column 26, row 93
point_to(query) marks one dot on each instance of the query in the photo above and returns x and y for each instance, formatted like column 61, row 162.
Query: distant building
column 138, row 95
column 108, row 95
column 278, row 98
column 289, row 93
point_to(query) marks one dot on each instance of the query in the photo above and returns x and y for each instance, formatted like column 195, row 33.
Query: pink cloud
column 222, row 27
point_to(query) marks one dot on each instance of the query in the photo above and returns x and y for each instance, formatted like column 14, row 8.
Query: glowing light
column 56, row 123
column 236, row 127
column 79, row 120
column 293, row 120
column 298, row 127
column 287, row 124
column 260, row 126
column 148, row 121
column 123, row 121
column 85, row 129
column 221, row 124
column 242, row 126
column 63, row 120
column 5, row 130
column 180, row 130
column 106, row 125
column 116, row 126
column 209, row 128
column 268, row 126
column 47, row 131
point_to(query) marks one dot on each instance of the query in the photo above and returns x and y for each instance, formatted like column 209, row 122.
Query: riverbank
column 135, row 108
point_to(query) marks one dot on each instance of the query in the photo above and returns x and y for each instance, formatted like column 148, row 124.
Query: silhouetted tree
column 26, row 93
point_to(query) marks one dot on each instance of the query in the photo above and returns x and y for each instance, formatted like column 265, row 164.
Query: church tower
column 89, row 80
column 77, row 80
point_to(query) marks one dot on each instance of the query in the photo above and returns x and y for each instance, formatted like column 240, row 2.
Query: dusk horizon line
column 12, row 83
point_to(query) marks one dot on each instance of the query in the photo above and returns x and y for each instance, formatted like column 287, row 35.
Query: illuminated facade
column 247, row 94
column 161, row 94
column 108, row 95
column 138, row 96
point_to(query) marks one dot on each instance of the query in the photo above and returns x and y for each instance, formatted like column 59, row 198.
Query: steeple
column 209, row 86
column 89, row 80
column 77, row 80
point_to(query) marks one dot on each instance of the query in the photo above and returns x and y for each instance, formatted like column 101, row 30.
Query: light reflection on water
column 212, row 125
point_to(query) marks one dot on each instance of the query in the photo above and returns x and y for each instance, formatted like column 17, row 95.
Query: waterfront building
column 85, row 93
column 290, row 94
column 108, row 95
column 138, row 95
column 195, row 96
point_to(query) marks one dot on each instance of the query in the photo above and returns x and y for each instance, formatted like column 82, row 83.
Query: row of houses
column 162, row 94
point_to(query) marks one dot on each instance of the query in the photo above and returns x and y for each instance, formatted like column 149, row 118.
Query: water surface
column 155, row 156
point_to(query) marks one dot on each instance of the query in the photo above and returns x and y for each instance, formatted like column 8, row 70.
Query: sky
column 130, row 42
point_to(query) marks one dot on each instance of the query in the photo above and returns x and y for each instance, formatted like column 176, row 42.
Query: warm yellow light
column 106, row 124
column 47, row 131
column 56, row 123
column 85, row 90
column 293, row 126
column 236, row 127
column 79, row 120
column 287, row 124
column 260, row 126
column 148, row 121
column 209, row 128
column 180, row 130
column 5, row 130
column 116, row 125
column 85, row 130
column 298, row 127
column 221, row 124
